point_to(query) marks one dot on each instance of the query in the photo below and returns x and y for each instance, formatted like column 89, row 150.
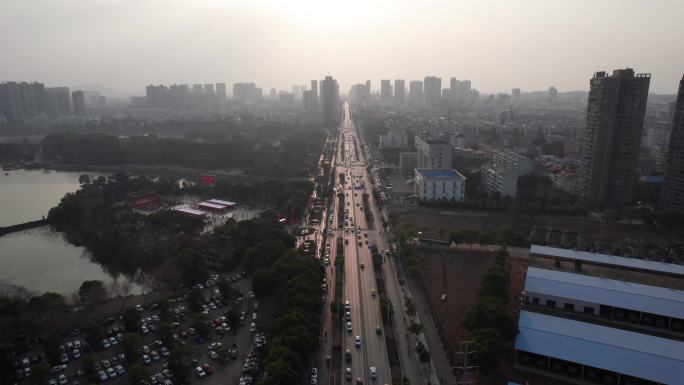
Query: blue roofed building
column 580, row 352
column 646, row 308
column 439, row 184
column 585, row 329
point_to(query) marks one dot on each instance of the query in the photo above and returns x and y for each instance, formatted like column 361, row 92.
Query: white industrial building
column 431, row 185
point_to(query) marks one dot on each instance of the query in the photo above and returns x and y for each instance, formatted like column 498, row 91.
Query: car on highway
column 372, row 292
column 347, row 355
column 378, row 329
column 348, row 374
column 373, row 372
column 357, row 341
column 349, row 326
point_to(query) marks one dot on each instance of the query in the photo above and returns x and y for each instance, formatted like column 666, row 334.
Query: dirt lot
column 464, row 270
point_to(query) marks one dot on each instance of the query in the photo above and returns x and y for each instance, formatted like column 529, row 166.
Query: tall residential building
column 360, row 93
column 433, row 90
column 21, row 101
column 612, row 136
column 314, row 94
column 673, row 188
column 78, row 100
column 515, row 95
column 58, row 101
column 197, row 89
column 246, row 92
column 157, row 96
column 416, row 97
column 385, row 90
column 433, row 154
column 209, row 89
column 459, row 90
column 399, row 91
column 220, row 92
column 330, row 99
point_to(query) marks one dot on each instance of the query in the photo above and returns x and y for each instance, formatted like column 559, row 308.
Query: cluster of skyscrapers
column 21, row 101
column 182, row 96
column 612, row 137
column 421, row 93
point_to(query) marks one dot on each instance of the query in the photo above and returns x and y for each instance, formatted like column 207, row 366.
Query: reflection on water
column 42, row 260
column 28, row 195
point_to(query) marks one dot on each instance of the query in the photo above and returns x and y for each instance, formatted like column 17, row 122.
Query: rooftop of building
column 628, row 295
column 621, row 351
column 610, row 260
column 440, row 174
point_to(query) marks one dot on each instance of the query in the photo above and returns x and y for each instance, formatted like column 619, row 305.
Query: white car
column 349, row 326
column 373, row 372
column 357, row 341
column 106, row 344
column 62, row 379
column 111, row 372
column 314, row 372
column 200, row 372
column 102, row 375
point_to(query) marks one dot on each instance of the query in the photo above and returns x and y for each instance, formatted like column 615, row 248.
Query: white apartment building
column 512, row 162
column 433, row 154
column 394, row 139
column 444, row 184
column 497, row 180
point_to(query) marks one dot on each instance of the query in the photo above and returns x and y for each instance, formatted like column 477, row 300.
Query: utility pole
column 465, row 377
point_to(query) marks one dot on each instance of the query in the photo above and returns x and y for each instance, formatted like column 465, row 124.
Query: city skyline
column 290, row 44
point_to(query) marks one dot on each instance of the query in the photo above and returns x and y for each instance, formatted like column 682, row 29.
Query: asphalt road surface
column 359, row 281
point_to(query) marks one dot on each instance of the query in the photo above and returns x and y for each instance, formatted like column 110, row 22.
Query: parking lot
column 229, row 352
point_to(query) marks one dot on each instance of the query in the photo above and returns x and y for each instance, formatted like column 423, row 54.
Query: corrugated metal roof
column 188, row 210
column 221, row 202
column 632, row 263
column 635, row 354
column 628, row 295
column 211, row 205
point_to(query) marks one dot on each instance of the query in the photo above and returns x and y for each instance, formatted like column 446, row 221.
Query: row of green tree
column 294, row 334
column 490, row 324
column 296, row 154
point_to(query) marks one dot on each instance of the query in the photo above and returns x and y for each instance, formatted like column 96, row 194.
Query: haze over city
column 497, row 44
column 263, row 192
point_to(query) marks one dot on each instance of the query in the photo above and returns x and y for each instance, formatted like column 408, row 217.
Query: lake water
column 28, row 195
column 41, row 260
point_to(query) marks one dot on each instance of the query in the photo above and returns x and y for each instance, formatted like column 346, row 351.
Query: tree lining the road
column 489, row 322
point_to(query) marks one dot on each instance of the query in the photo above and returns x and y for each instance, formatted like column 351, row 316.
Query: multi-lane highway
column 359, row 281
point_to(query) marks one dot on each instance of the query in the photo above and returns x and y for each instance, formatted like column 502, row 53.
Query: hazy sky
column 498, row 44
